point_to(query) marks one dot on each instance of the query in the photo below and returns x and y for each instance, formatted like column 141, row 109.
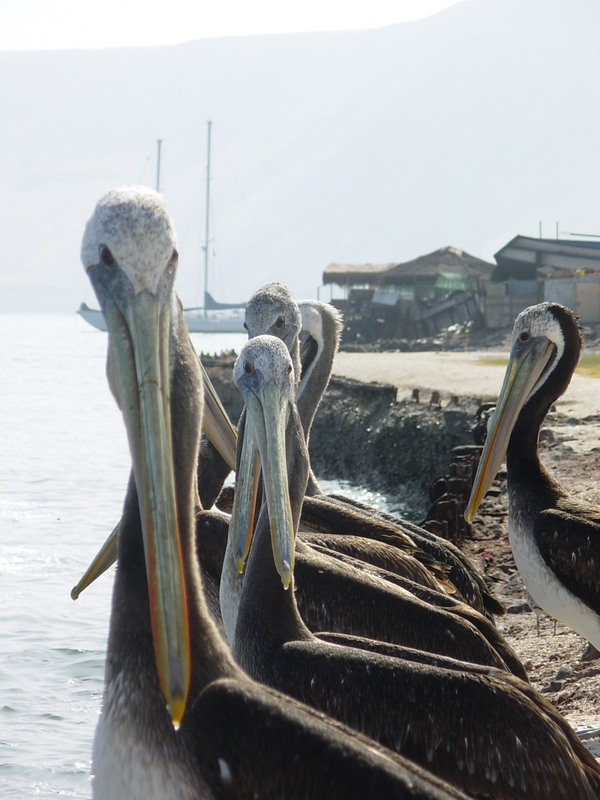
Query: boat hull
column 225, row 321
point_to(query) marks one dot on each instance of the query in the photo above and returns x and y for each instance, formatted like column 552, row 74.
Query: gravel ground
column 551, row 653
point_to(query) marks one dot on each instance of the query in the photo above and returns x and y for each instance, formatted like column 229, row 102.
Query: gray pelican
column 388, row 607
column 401, row 608
column 555, row 540
column 483, row 730
column 311, row 331
column 273, row 308
column 385, row 607
column 180, row 719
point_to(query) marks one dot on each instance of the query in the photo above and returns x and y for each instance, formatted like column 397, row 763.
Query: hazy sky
column 65, row 24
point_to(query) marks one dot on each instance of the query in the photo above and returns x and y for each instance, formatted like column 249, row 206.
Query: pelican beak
column 244, row 499
column 217, row 426
column 104, row 559
column 139, row 330
column 526, row 365
column 216, row 423
column 266, row 418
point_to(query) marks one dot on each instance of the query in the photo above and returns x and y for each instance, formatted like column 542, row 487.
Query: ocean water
column 63, row 475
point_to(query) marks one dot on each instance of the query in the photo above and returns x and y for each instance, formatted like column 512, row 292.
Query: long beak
column 524, row 369
column 244, row 499
column 219, row 429
column 266, row 418
column 139, row 350
column 103, row 560
column 216, row 423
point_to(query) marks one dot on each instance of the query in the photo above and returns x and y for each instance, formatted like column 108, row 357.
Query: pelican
column 180, row 718
column 555, row 540
column 311, row 332
column 453, row 720
column 318, row 326
column 387, row 607
column 394, row 609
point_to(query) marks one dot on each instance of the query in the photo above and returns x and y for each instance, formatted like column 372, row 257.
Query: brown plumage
column 237, row 739
column 485, row 730
column 555, row 539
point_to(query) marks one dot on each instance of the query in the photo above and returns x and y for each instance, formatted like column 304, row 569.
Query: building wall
column 504, row 301
column 561, row 290
column 588, row 301
column 581, row 294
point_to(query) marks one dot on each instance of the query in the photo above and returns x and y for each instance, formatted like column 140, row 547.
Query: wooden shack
column 413, row 298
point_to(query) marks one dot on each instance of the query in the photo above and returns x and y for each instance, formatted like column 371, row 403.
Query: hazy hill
column 464, row 129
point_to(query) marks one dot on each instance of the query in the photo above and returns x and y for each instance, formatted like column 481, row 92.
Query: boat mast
column 206, row 220
column 159, row 143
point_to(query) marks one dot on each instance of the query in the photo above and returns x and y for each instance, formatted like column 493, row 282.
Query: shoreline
column 462, row 374
column 570, row 449
column 368, row 428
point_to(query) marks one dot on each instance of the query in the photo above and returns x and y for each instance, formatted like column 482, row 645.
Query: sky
column 68, row 24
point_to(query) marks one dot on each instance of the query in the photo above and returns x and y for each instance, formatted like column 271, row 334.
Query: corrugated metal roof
column 523, row 256
column 573, row 247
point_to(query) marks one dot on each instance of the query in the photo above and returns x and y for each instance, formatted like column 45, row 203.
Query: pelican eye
column 248, row 368
column 280, row 322
column 524, row 336
column 106, row 257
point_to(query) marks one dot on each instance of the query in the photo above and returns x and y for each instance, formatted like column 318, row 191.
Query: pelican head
column 129, row 253
column 272, row 310
column 543, row 337
column 264, row 375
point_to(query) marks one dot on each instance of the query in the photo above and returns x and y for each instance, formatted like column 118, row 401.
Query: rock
column 564, row 671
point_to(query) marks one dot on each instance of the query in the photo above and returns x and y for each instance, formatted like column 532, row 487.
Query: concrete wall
column 582, row 294
column 504, row 301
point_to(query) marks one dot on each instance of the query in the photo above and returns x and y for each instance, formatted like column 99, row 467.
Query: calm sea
column 63, row 475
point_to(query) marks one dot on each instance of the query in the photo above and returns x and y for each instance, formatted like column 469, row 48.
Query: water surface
column 63, row 476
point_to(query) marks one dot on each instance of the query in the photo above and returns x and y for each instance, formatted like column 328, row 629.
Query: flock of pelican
column 306, row 646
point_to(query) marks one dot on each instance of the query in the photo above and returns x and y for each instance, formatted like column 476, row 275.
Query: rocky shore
column 368, row 435
column 372, row 430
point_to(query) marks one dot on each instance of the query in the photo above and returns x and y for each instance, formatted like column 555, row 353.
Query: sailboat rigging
column 213, row 316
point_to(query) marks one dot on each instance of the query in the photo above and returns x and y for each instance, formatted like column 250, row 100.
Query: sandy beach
column 470, row 374
column 454, row 373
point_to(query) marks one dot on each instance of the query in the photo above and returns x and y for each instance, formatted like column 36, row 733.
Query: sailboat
column 213, row 316
column 217, row 318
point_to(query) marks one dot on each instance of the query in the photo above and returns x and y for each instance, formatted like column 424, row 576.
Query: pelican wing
column 481, row 733
column 570, row 545
column 289, row 750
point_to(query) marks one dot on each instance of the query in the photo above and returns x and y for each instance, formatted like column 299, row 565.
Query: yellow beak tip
column 239, row 564
column 469, row 514
column 286, row 575
column 176, row 709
